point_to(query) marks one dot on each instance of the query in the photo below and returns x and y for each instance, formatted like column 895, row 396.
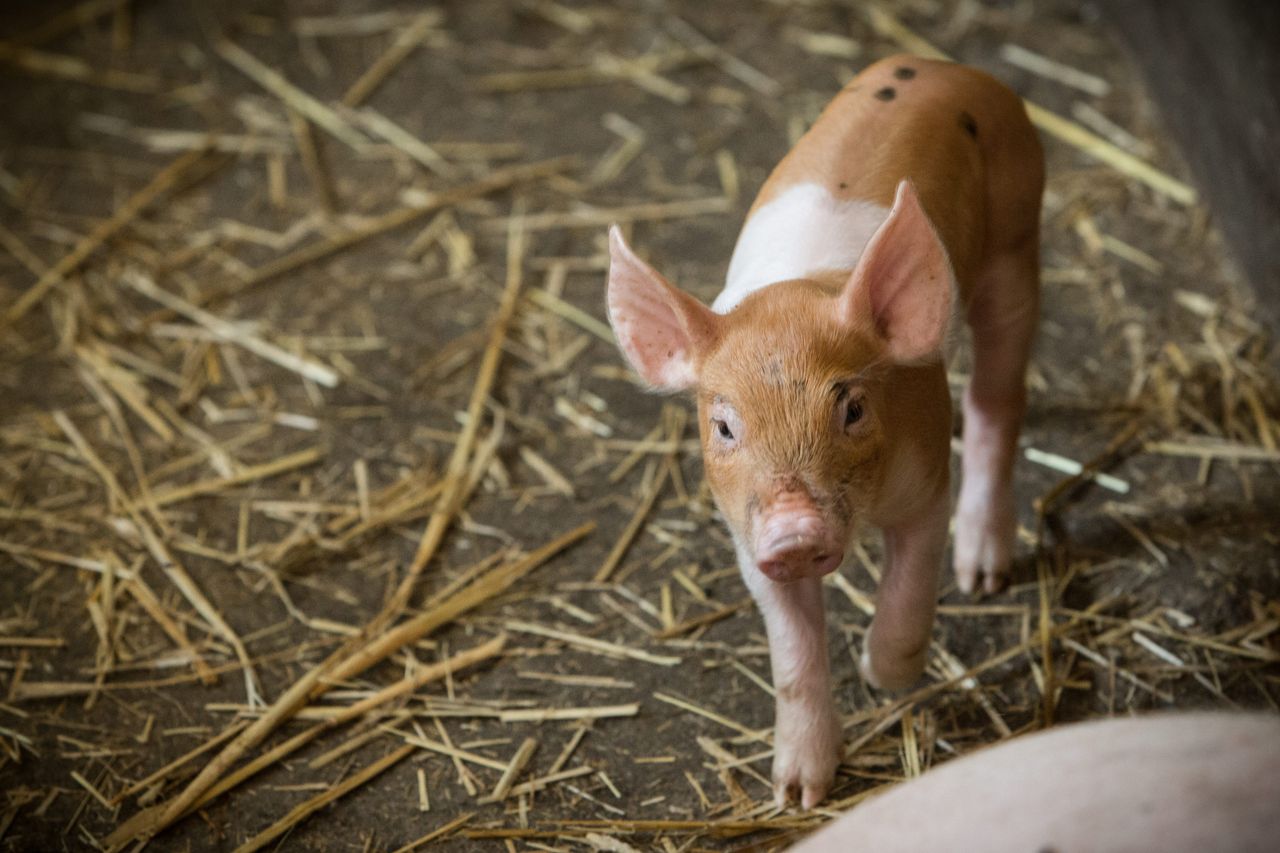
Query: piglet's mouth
column 792, row 546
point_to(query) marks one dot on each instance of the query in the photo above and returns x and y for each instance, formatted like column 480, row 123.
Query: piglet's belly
column 1181, row 783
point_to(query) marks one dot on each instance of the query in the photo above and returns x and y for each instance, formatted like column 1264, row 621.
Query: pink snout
column 797, row 544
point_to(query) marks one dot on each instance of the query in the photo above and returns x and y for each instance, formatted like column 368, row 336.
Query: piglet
column 822, row 394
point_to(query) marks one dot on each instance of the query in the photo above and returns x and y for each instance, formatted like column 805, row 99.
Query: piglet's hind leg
column 1003, row 317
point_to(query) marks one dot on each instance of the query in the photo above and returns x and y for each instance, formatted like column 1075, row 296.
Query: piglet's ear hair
column 903, row 287
column 663, row 331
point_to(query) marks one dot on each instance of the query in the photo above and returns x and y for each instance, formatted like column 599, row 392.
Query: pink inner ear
column 903, row 283
column 660, row 329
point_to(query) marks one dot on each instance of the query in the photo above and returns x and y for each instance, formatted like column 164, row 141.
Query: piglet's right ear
column 663, row 331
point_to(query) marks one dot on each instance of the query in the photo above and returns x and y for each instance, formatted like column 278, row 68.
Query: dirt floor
column 222, row 447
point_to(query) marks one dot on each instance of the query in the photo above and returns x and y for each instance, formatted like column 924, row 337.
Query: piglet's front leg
column 897, row 642
column 807, row 738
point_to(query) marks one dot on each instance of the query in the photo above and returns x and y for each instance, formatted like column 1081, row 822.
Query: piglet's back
column 962, row 136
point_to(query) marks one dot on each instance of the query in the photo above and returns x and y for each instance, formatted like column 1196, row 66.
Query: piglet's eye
column 852, row 413
column 722, row 429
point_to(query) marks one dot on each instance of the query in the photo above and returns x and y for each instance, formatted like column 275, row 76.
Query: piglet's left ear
column 903, row 285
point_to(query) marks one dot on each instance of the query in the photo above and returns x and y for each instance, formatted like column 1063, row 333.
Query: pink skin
column 808, row 738
column 1176, row 783
column 794, row 541
column 893, row 655
column 1003, row 317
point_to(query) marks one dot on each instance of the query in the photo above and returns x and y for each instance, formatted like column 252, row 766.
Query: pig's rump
column 1184, row 782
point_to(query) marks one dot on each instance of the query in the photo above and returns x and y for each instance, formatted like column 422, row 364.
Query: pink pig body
column 822, row 394
column 1173, row 783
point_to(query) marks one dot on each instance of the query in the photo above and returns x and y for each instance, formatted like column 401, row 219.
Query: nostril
column 776, row 570
column 825, row 564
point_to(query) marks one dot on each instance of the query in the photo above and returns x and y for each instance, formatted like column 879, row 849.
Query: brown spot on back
column 904, row 73
column 886, row 94
column 970, row 126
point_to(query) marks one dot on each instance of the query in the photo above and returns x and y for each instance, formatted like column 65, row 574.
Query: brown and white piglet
column 822, row 395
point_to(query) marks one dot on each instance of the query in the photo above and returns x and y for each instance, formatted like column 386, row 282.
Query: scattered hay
column 194, row 484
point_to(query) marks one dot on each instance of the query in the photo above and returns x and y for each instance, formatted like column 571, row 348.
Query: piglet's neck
column 802, row 231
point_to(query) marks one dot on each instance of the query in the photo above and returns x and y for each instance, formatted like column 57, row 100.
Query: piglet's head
column 795, row 386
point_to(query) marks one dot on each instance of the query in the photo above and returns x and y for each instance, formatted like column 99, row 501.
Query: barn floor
column 243, row 324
